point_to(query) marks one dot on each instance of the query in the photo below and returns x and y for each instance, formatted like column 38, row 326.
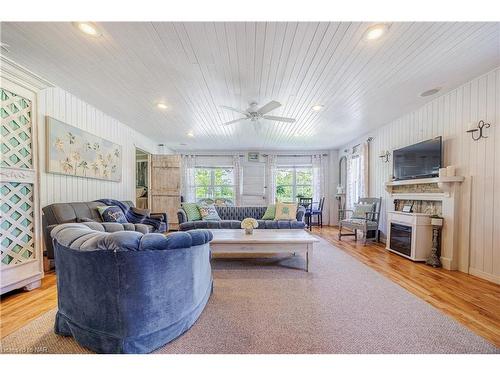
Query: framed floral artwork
column 75, row 152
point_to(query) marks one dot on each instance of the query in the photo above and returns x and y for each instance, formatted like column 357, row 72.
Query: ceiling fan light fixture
column 376, row 31
column 88, row 28
column 190, row 134
column 4, row 47
column 161, row 105
column 317, row 107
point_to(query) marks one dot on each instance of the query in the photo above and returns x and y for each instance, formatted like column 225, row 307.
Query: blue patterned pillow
column 112, row 214
column 209, row 213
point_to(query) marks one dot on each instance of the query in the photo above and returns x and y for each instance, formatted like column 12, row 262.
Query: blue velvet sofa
column 128, row 292
column 231, row 217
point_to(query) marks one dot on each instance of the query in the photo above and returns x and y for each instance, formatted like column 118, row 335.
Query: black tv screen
column 420, row 160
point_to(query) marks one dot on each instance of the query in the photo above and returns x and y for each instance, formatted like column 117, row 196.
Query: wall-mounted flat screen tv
column 421, row 160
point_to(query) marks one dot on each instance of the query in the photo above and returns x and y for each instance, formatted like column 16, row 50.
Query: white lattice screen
column 17, row 207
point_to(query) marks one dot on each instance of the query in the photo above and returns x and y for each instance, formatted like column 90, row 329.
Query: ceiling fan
column 254, row 114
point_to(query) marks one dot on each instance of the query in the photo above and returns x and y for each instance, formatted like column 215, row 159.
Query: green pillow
column 270, row 212
column 192, row 211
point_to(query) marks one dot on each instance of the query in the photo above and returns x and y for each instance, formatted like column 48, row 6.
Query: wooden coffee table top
column 262, row 236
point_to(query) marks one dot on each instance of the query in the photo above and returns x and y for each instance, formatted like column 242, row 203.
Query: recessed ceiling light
column 190, row 133
column 430, row 92
column 376, row 31
column 88, row 28
column 161, row 105
column 317, row 107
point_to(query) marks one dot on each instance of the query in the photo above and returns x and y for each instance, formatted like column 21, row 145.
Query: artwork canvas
column 75, row 152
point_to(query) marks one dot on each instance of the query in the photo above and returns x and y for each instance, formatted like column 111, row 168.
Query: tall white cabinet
column 21, row 240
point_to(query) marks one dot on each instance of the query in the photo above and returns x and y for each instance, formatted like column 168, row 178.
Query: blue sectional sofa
column 231, row 217
column 128, row 292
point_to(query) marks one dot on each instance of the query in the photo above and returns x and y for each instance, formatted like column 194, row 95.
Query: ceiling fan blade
column 235, row 110
column 272, row 105
column 277, row 118
column 232, row 122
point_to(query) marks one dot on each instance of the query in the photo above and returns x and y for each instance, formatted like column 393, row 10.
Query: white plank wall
column 65, row 107
column 450, row 115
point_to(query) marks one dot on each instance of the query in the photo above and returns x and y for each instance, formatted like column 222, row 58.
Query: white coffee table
column 227, row 241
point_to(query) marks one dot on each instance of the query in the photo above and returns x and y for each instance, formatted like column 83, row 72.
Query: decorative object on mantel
column 408, row 208
column 481, row 125
column 75, row 152
column 249, row 224
column 437, row 224
column 385, row 155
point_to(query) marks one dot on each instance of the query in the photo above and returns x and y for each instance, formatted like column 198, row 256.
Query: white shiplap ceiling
column 197, row 67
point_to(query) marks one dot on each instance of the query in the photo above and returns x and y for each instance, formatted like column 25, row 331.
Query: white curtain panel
column 350, row 188
column 319, row 164
column 357, row 175
column 364, row 183
column 271, row 178
column 237, row 179
column 187, row 182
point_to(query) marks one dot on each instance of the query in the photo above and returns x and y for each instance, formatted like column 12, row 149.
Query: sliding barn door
column 21, row 251
column 166, row 186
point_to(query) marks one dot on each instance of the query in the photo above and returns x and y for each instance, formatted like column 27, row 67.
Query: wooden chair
column 318, row 211
column 369, row 224
column 307, row 204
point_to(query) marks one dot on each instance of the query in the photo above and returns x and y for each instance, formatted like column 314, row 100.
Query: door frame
column 149, row 174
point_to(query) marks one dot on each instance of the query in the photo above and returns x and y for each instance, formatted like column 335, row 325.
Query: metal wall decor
column 481, row 125
column 385, row 156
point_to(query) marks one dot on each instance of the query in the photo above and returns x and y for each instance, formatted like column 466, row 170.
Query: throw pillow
column 270, row 212
column 286, row 211
column 192, row 211
column 209, row 212
column 360, row 210
column 112, row 214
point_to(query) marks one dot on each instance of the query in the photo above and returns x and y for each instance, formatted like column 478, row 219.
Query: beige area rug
column 274, row 306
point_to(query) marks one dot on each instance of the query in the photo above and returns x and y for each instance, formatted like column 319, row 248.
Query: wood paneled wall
column 65, row 107
column 450, row 115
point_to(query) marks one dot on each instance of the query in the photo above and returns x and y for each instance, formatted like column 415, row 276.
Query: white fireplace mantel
column 444, row 183
column 447, row 193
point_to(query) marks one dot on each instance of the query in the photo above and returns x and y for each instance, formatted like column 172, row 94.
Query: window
column 292, row 182
column 214, row 182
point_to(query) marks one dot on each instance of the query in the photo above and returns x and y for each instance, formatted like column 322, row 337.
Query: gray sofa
column 76, row 212
column 231, row 218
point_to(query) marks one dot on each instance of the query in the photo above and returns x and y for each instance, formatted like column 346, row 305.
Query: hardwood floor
column 472, row 301
column 18, row 308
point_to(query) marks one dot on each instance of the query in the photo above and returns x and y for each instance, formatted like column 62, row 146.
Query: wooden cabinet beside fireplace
column 166, row 186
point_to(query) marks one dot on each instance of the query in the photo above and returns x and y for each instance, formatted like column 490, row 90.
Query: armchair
column 368, row 224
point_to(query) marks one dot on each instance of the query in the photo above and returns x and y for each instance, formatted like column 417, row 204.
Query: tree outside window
column 214, row 182
column 293, row 182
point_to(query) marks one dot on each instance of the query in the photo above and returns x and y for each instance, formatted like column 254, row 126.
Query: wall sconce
column 480, row 126
column 385, row 156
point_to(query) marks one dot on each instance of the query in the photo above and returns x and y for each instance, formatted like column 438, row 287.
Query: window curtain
column 363, row 173
column 237, row 179
column 271, row 179
column 319, row 177
column 187, row 181
column 357, row 174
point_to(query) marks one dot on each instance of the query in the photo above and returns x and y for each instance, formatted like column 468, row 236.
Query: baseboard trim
column 484, row 275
